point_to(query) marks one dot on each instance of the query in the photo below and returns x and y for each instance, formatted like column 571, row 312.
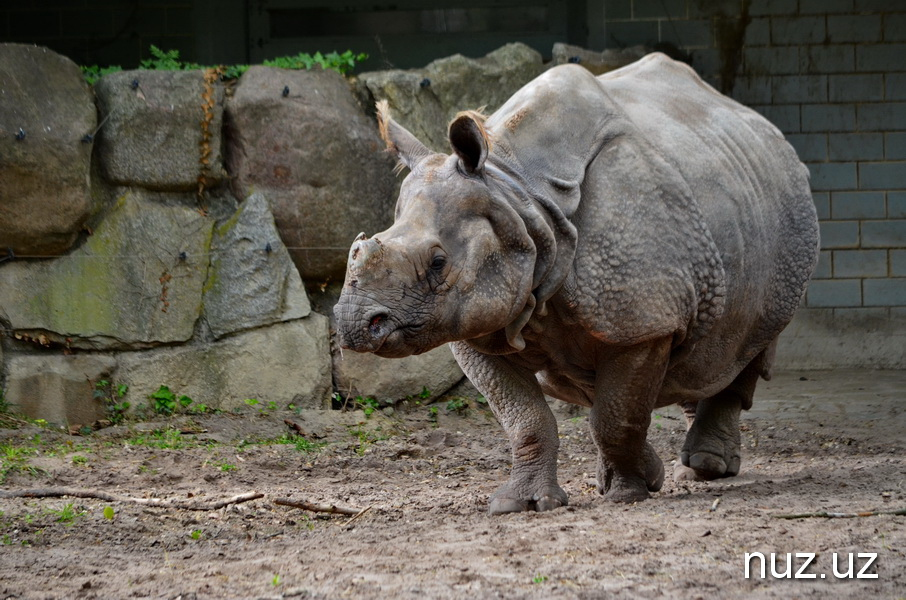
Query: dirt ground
column 816, row 441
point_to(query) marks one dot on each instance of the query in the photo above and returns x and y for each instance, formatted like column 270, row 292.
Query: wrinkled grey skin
column 624, row 242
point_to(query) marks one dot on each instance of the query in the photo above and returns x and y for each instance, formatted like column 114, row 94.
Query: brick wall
column 832, row 75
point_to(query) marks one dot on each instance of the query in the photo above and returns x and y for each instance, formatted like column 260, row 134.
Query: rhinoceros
column 622, row 242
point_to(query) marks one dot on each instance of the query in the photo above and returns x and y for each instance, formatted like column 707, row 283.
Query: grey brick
column 838, row 58
column 828, row 293
column 797, row 89
column 773, row 7
column 839, row 234
column 706, row 62
column 630, row 33
column 880, row 57
column 895, row 28
column 822, row 204
column 883, row 116
column 896, row 205
column 809, row 7
column 823, row 268
column 758, row 33
column 658, row 9
column 855, row 146
column 873, row 5
column 882, row 176
column 855, row 88
column 688, row 34
column 895, row 146
column 897, row 263
column 797, row 30
column 854, row 28
column 858, row 205
column 895, row 86
column 833, row 176
column 828, row 117
column 860, row 263
column 884, row 234
column 618, row 9
column 809, row 146
column 714, row 7
column 775, row 61
column 885, row 292
column 786, row 118
column 752, row 90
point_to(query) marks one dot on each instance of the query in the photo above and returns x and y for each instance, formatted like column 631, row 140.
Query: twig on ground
column 325, row 508
column 837, row 515
column 362, row 512
column 107, row 496
column 295, row 427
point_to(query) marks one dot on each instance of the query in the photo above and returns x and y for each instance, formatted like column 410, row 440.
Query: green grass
column 14, row 459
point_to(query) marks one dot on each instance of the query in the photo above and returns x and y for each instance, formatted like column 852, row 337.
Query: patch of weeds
column 226, row 467
column 368, row 405
column 458, row 405
column 165, row 402
column 264, row 409
column 300, row 443
column 14, row 459
column 342, row 63
column 432, row 415
column 275, row 581
column 68, row 514
column 112, row 396
column 92, row 73
column 539, row 578
column 365, row 438
column 78, row 459
column 196, row 534
column 164, row 439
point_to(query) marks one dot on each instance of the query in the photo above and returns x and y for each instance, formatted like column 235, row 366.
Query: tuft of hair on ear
column 383, row 118
column 479, row 117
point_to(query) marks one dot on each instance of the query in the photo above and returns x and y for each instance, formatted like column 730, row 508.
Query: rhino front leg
column 626, row 389
column 519, row 405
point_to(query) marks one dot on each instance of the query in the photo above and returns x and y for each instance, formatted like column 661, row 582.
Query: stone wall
column 162, row 228
column 831, row 75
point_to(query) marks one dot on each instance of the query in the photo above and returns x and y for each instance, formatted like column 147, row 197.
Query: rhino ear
column 470, row 140
column 402, row 144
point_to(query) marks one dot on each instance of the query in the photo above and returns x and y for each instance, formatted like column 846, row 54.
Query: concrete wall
column 831, row 74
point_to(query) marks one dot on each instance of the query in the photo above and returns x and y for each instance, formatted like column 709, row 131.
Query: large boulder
column 252, row 281
column 136, row 282
column 301, row 139
column 389, row 380
column 57, row 387
column 161, row 129
column 597, row 62
column 426, row 100
column 283, row 363
column 46, row 109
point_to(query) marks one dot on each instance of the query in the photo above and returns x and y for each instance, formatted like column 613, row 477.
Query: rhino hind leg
column 712, row 446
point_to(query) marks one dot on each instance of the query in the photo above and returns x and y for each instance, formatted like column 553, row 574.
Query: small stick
column 364, row 510
column 714, row 504
column 294, row 426
column 106, row 496
column 836, row 515
column 325, row 508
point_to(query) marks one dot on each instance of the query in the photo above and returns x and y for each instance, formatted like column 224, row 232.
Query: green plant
column 78, row 459
column 164, row 439
column 368, row 405
column 196, row 534
column 168, row 60
column 67, row 514
column 92, row 73
column 165, row 402
column 458, row 405
column 539, row 578
column 112, row 397
column 226, row 467
column 109, row 513
column 275, row 581
column 342, row 63
column 14, row 459
column 432, row 414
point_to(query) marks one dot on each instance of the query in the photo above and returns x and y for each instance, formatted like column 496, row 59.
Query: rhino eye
column 438, row 263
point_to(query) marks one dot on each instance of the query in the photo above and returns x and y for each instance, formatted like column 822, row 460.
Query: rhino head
column 460, row 262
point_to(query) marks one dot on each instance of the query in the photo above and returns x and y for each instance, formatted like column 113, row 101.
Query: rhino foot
column 710, row 465
column 620, row 487
column 506, row 500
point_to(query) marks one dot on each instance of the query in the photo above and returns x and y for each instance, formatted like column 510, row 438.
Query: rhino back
column 694, row 215
column 752, row 192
